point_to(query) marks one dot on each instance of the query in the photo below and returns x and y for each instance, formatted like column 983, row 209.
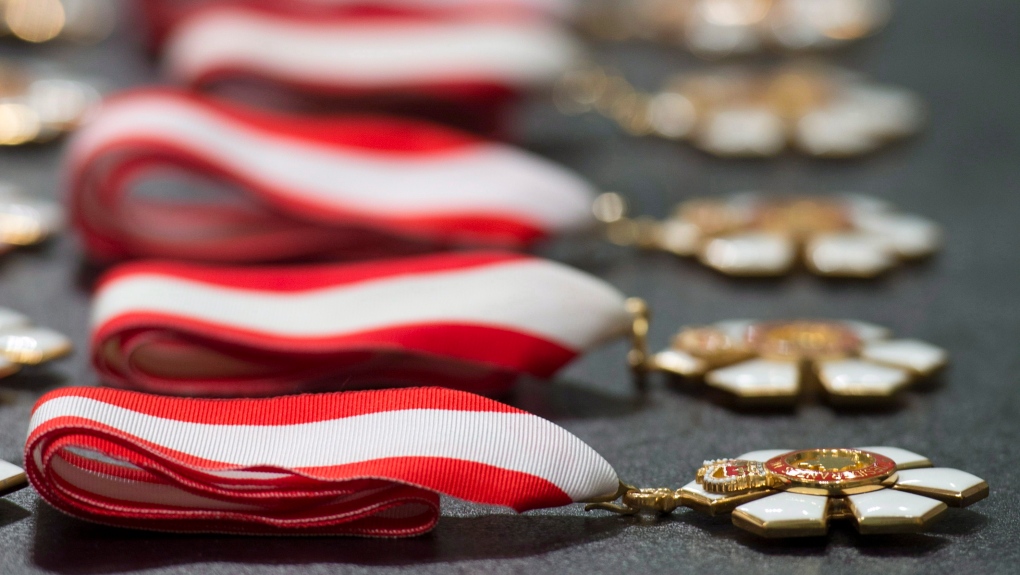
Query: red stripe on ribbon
column 307, row 277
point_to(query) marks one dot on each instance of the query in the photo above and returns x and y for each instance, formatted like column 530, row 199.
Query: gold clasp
column 633, row 501
column 637, row 357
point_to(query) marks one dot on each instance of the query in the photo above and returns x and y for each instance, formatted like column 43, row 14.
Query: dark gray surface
column 962, row 172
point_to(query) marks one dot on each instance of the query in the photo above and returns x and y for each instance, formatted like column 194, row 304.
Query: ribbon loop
column 362, row 463
column 473, row 321
column 304, row 187
column 462, row 55
column 162, row 16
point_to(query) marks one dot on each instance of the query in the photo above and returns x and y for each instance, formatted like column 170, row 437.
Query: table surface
column 960, row 55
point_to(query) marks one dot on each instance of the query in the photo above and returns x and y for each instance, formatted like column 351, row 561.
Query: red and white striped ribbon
column 474, row 321
column 160, row 16
column 456, row 55
column 355, row 463
column 308, row 187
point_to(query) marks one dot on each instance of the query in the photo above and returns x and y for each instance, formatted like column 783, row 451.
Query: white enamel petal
column 712, row 37
column 835, row 130
column 33, row 345
column 952, row 486
column 11, row 319
column 912, row 354
column 10, row 476
column 856, row 255
column 757, row 378
column 853, row 377
column 680, row 237
column 27, row 221
column 750, row 254
column 891, row 511
column 749, row 131
column 679, row 362
column 784, row 515
column 887, row 111
column 901, row 457
column 763, row 455
column 908, row 235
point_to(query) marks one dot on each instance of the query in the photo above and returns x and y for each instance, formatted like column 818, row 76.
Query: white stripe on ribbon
column 369, row 54
column 512, row 441
column 485, row 177
column 536, row 297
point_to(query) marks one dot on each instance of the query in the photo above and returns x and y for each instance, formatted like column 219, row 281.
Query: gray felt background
column 962, row 172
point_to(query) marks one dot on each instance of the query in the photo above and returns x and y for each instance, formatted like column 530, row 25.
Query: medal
column 475, row 321
column 739, row 113
column 304, row 188
column 758, row 235
column 719, row 28
column 25, row 221
column 374, row 463
column 777, row 361
column 350, row 187
column 778, row 493
column 38, row 105
column 22, row 344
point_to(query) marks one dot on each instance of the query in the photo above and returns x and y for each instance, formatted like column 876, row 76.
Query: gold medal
column 778, row 361
column 758, row 235
column 719, row 28
column 732, row 112
column 779, row 493
column 37, row 105
column 22, row 344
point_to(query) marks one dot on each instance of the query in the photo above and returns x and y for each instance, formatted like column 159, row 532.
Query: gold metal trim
column 633, row 501
column 720, row 505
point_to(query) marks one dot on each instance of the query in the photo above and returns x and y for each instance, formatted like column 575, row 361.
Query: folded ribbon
column 345, row 54
column 160, row 16
column 363, row 463
column 473, row 321
column 304, row 187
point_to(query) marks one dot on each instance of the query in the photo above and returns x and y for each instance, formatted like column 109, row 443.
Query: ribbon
column 303, row 187
column 473, row 321
column 364, row 463
column 160, row 16
column 459, row 56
